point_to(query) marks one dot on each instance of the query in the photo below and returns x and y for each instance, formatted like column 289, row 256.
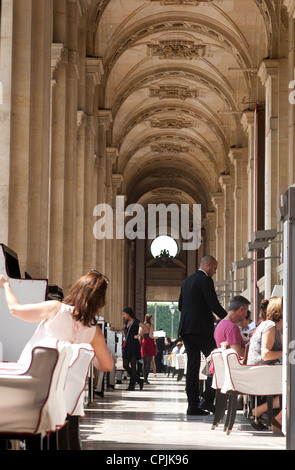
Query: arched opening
column 164, row 244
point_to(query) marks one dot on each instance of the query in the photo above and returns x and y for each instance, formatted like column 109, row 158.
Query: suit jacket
column 197, row 301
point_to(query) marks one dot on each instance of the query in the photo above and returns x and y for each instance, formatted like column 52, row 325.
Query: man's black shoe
column 196, row 412
column 207, row 406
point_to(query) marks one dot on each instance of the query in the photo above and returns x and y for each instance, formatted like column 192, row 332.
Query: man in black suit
column 197, row 301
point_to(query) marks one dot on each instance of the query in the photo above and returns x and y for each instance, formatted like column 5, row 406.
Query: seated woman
column 73, row 320
column 266, row 348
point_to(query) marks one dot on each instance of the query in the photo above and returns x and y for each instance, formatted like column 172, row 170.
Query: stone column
column 104, row 196
column 218, row 202
column 40, row 140
column 238, row 158
column 291, row 91
column 100, row 199
column 21, row 85
column 94, row 71
column 117, row 258
column 57, row 181
column 6, row 30
column 111, row 155
column 269, row 74
column 70, row 154
column 80, row 195
column 248, row 123
column 209, row 225
column 228, row 224
column 59, row 64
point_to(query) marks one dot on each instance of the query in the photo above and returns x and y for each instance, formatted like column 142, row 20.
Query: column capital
column 105, row 117
column 268, row 68
column 224, row 181
column 94, row 69
column 111, row 154
column 235, row 154
column 210, row 215
column 209, row 219
column 57, row 50
column 117, row 179
column 247, row 120
column 99, row 161
column 217, row 199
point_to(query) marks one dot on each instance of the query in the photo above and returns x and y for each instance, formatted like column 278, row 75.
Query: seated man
column 228, row 329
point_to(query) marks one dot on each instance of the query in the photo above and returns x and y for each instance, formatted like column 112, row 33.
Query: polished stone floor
column 155, row 419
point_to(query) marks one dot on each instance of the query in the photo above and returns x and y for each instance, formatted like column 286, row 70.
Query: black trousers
column 194, row 345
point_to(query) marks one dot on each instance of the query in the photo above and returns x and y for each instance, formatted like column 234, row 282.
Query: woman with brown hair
column 266, row 343
column 73, row 320
column 131, row 351
column 266, row 348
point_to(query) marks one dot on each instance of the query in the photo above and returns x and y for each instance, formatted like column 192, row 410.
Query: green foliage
column 163, row 319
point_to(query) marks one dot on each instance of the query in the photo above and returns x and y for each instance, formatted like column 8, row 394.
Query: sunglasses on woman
column 100, row 274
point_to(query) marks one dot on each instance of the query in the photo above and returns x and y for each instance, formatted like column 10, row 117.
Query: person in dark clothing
column 131, row 352
column 160, row 343
column 197, row 301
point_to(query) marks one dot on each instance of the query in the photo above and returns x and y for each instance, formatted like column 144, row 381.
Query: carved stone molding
column 167, row 147
column 174, row 92
column 165, row 192
column 177, row 48
column 172, row 123
column 171, row 173
column 57, row 50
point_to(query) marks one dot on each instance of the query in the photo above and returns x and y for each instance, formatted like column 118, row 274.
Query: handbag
column 125, row 341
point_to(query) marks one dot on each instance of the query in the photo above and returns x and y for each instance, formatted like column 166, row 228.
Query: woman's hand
column 3, row 280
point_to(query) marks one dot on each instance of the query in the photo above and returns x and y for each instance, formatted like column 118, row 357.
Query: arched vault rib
column 166, row 187
column 176, row 197
column 230, row 41
column 145, row 78
column 135, row 81
column 187, row 164
column 212, row 122
column 178, row 140
column 269, row 15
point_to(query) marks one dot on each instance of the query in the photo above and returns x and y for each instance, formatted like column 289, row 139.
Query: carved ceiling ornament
column 169, row 147
column 172, row 123
column 198, row 76
column 173, row 92
column 177, row 48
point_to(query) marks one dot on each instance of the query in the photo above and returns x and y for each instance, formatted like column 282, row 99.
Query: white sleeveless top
column 62, row 327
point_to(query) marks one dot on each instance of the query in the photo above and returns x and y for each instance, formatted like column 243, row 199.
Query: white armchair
column 256, row 380
column 77, row 374
column 217, row 384
column 31, row 397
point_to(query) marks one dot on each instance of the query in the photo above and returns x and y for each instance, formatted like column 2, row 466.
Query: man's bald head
column 209, row 265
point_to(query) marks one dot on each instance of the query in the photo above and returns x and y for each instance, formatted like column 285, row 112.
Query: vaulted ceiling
column 177, row 76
